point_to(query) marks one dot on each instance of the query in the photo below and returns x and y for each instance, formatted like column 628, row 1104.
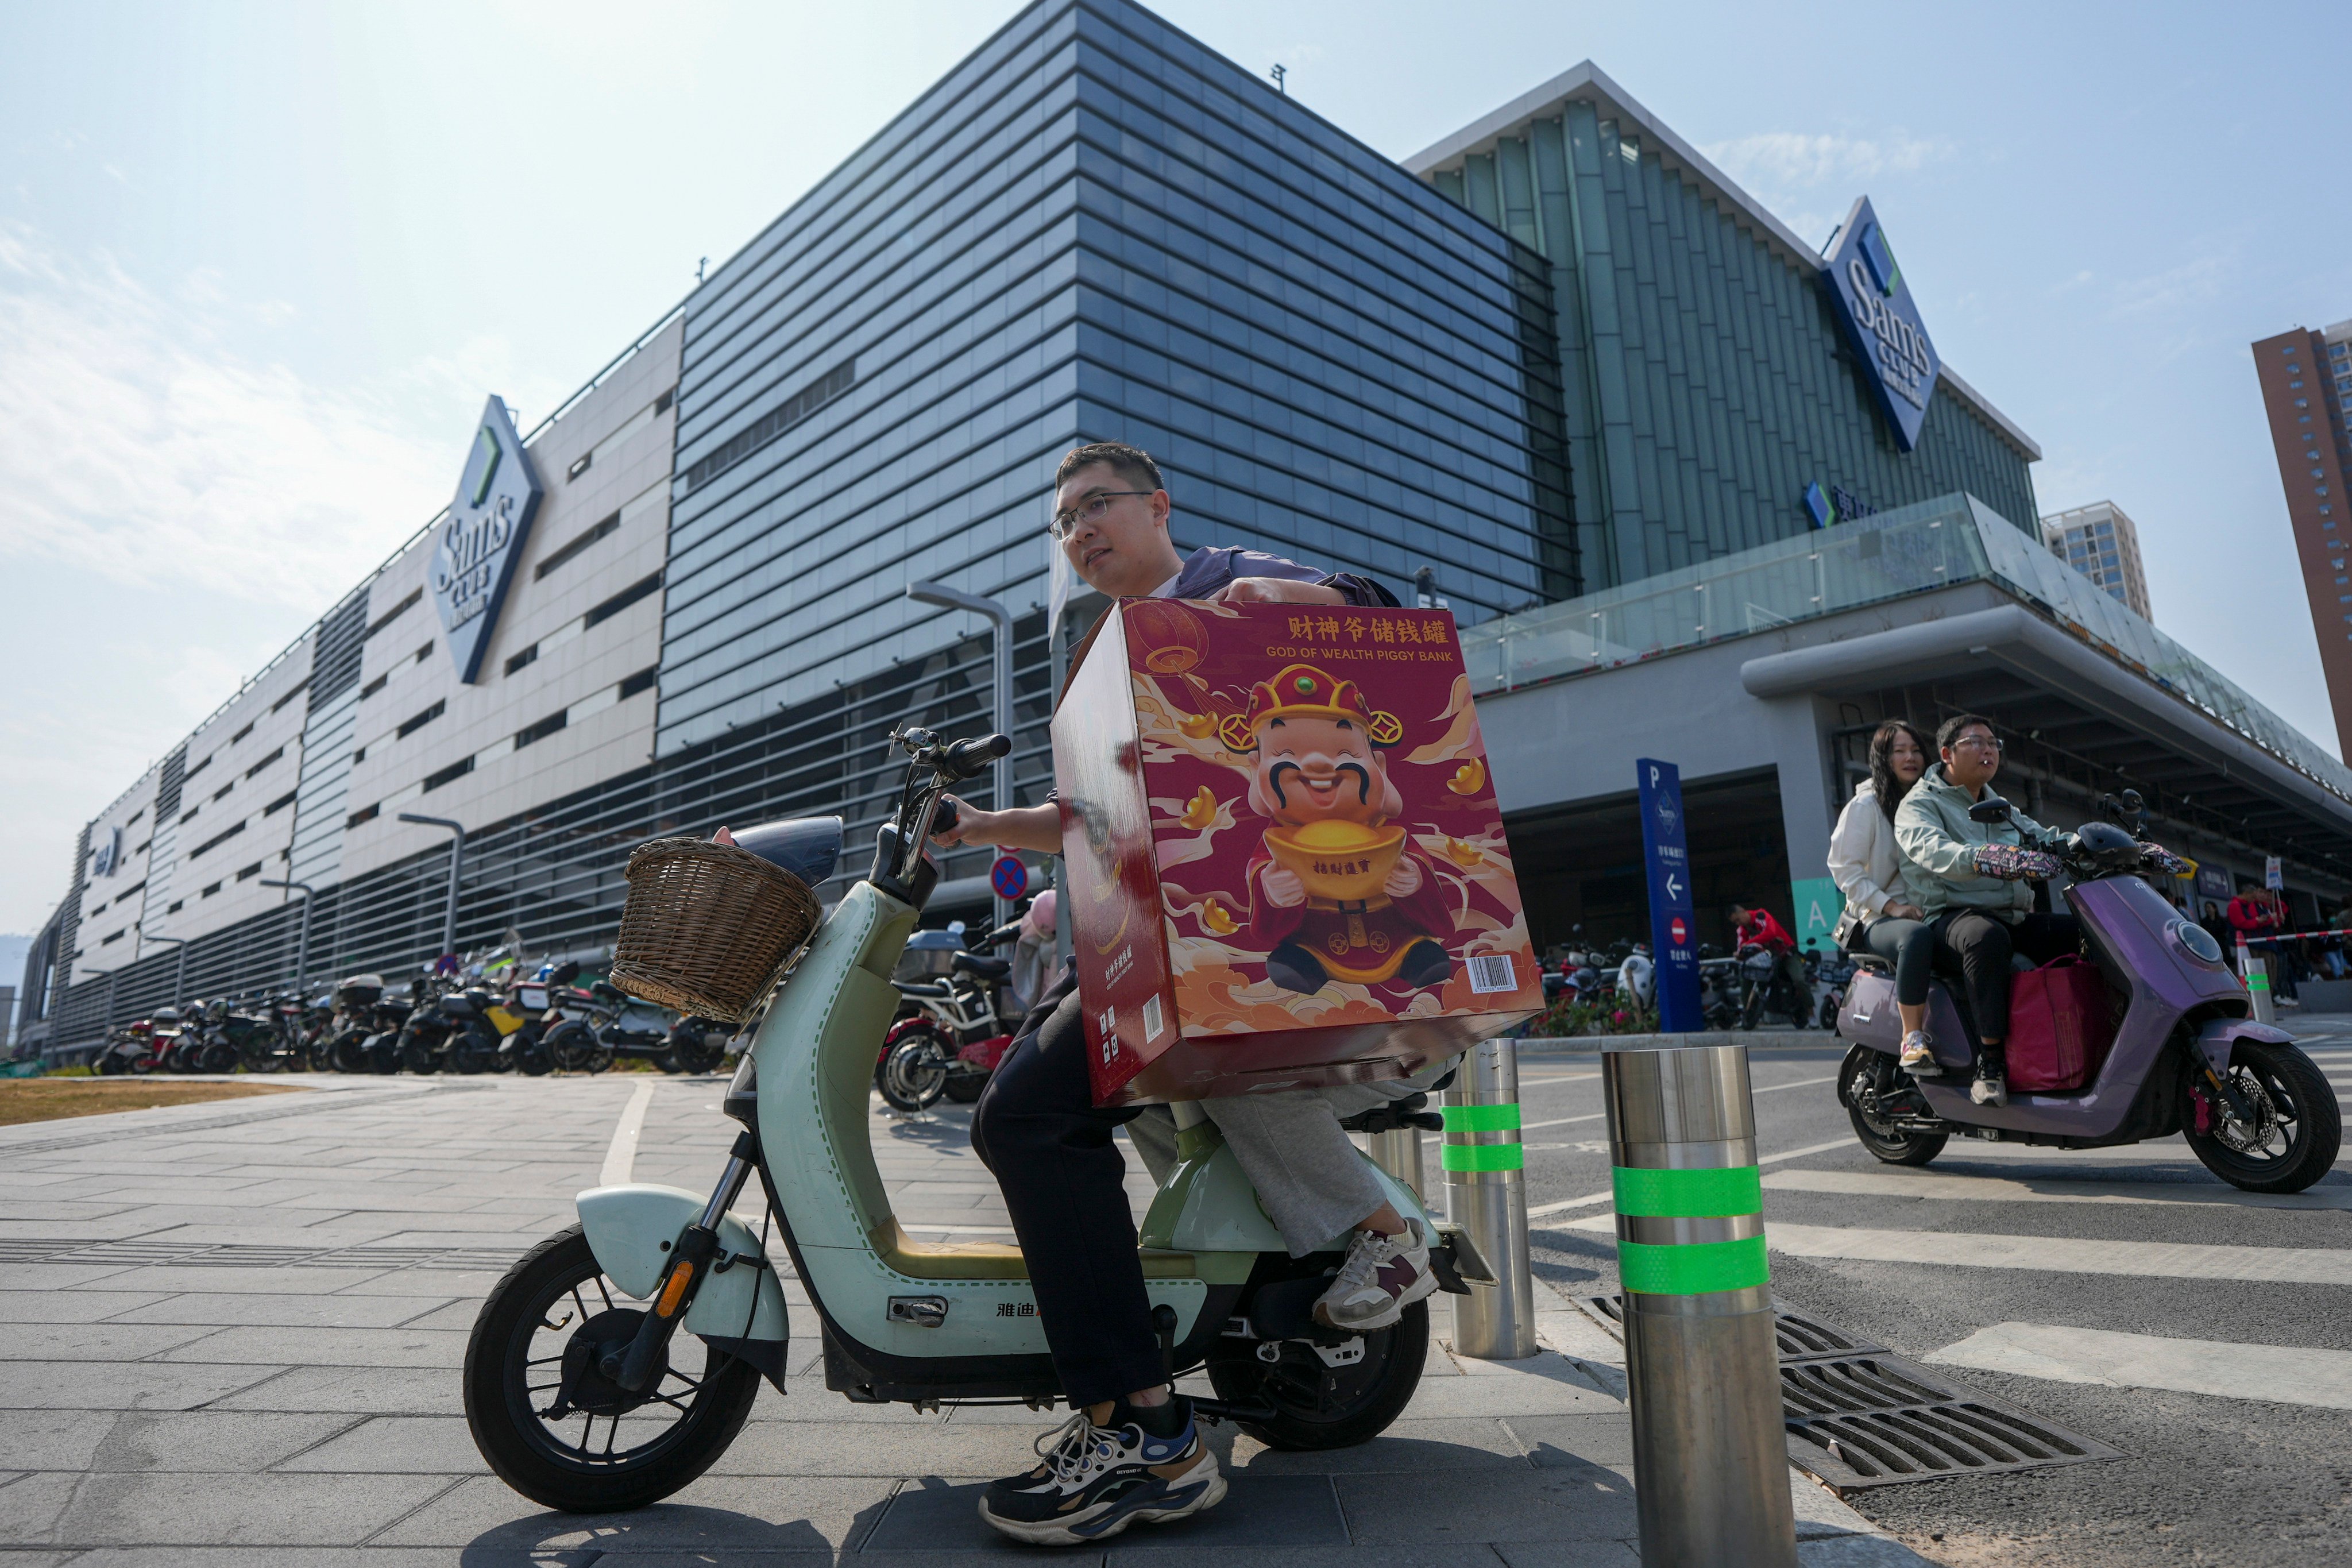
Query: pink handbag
column 2058, row 1030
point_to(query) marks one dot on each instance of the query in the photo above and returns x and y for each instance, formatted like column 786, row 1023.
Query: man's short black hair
column 1958, row 724
column 1132, row 464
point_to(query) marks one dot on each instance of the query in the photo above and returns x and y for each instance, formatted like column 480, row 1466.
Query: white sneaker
column 1382, row 1276
column 1915, row 1050
column 1989, row 1092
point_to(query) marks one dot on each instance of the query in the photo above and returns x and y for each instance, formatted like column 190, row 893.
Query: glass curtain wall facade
column 1092, row 228
column 1707, row 381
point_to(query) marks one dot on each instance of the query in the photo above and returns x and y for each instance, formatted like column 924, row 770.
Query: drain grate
column 231, row 1254
column 1860, row 1415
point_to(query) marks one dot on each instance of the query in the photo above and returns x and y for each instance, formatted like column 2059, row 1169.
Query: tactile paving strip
column 227, row 1254
column 1860, row 1415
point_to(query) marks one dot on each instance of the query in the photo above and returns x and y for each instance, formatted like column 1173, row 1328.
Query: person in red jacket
column 2252, row 916
column 1752, row 923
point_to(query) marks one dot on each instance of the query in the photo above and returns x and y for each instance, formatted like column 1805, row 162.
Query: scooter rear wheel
column 612, row 1451
column 2299, row 1129
column 1321, row 1406
column 1865, row 1075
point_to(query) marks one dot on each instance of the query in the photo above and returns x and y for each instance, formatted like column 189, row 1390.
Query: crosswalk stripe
column 2284, row 1375
column 2046, row 1190
column 2052, row 1253
column 1607, row 1195
column 2067, row 1254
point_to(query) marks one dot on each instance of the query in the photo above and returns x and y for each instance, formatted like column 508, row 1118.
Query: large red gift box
column 1285, row 859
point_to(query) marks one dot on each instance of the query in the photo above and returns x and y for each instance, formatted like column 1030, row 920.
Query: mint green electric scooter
column 584, row 1394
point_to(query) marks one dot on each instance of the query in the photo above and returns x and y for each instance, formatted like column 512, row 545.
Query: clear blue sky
column 258, row 263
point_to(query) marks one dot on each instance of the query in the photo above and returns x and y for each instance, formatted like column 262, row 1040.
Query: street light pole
column 456, row 861
column 302, row 942
column 1001, row 782
column 179, row 969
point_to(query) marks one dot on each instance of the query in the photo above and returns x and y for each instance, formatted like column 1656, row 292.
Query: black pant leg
column 1979, row 946
column 1910, row 947
column 1037, row 1129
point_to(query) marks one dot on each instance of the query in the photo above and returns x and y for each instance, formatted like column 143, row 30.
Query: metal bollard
column 1710, row 1455
column 1399, row 1153
column 1487, row 1196
column 2255, row 969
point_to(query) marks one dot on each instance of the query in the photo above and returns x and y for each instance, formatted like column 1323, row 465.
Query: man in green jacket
column 1969, row 878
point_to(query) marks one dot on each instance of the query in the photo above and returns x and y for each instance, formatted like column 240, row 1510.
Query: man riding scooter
column 1970, row 879
column 1136, row 1451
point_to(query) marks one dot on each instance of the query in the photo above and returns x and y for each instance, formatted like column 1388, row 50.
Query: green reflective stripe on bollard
column 1694, row 1268
column 1687, row 1194
column 1485, row 1156
column 2256, row 980
column 1481, row 1117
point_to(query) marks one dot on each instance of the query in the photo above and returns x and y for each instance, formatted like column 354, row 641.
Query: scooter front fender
column 2219, row 1039
column 739, row 1309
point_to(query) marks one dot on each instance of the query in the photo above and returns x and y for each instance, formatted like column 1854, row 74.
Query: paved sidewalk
column 234, row 1334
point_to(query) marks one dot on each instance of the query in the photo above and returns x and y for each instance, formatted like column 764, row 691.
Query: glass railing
column 1911, row 550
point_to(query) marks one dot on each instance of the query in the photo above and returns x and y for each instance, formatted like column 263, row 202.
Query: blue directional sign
column 1009, row 876
column 474, row 554
column 1867, row 290
column 1674, row 924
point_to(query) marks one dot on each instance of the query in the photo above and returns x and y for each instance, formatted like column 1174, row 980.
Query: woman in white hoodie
column 1880, row 916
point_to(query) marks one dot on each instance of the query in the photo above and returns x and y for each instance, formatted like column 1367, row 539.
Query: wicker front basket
column 706, row 926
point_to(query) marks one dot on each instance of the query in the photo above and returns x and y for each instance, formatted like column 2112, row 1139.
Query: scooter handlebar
column 969, row 759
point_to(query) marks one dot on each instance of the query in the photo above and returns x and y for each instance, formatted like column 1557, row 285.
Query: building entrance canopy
column 2087, row 687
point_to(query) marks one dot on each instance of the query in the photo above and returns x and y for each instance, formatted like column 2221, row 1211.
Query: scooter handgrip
column 967, row 759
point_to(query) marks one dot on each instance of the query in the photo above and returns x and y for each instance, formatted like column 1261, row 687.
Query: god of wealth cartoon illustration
column 1334, row 891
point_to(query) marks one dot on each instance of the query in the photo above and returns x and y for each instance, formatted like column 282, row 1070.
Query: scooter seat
column 990, row 1259
column 982, row 966
column 920, row 988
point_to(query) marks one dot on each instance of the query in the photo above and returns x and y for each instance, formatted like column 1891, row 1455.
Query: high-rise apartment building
column 2100, row 541
column 2306, row 380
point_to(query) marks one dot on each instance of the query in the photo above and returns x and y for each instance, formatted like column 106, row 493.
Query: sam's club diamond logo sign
column 1882, row 321
column 475, row 556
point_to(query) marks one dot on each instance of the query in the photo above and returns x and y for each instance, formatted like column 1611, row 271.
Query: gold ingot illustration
column 1469, row 778
column 1345, row 862
column 1213, row 917
column 1463, row 855
column 1200, row 811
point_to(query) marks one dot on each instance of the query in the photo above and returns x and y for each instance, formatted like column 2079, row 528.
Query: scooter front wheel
column 554, row 1428
column 2295, row 1130
column 1318, row 1404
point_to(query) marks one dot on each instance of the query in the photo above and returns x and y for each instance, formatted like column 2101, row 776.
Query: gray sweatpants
column 1309, row 1173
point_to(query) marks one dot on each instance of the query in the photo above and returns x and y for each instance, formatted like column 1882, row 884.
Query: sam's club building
column 1694, row 488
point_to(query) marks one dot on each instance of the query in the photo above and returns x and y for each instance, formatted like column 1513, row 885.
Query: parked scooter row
column 275, row 1034
column 476, row 1018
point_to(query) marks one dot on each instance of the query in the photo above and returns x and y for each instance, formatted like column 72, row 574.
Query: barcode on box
column 1491, row 972
column 1151, row 1020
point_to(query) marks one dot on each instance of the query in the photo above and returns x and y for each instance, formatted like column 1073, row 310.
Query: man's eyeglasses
column 1089, row 510
column 1981, row 742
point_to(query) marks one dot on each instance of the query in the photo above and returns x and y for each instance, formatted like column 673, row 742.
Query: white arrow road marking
column 622, row 1157
column 2284, row 1375
column 2047, row 1189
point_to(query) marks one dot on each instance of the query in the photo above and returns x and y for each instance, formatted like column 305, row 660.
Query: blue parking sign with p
column 1673, row 926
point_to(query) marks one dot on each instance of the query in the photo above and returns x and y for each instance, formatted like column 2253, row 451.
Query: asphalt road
column 2213, row 1346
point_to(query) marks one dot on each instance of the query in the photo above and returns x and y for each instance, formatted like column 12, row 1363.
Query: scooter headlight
column 2198, row 941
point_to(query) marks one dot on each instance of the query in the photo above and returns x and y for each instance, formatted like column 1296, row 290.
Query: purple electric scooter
column 2186, row 1057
